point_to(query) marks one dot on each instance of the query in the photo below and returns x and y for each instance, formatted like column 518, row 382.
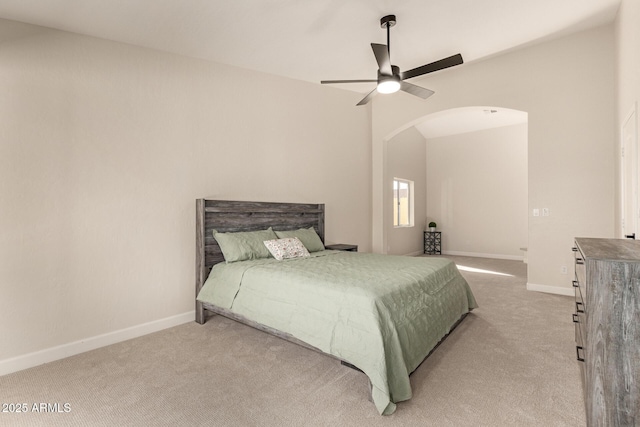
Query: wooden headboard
column 232, row 216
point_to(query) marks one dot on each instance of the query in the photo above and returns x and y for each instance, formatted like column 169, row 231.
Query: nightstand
column 342, row 247
column 432, row 242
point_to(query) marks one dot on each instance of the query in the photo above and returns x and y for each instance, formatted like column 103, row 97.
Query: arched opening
column 469, row 166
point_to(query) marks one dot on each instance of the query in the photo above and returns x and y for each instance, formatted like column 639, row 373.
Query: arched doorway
column 472, row 181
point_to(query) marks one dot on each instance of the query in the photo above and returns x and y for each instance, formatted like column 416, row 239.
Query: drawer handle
column 575, row 318
column 578, row 349
column 574, row 249
column 579, row 307
column 575, row 283
column 579, row 261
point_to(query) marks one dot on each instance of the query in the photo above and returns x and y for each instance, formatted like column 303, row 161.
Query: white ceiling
column 468, row 119
column 315, row 40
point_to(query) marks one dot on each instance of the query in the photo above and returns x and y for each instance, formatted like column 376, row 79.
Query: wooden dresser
column 607, row 323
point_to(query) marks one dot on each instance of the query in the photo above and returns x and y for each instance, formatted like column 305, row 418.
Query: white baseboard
column 481, row 255
column 47, row 355
column 558, row 290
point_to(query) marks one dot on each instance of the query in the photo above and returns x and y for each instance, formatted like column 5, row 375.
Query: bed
column 381, row 314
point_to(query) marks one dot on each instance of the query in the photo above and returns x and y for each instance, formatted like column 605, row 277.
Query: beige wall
column 627, row 34
column 103, row 149
column 406, row 159
column 477, row 191
column 567, row 88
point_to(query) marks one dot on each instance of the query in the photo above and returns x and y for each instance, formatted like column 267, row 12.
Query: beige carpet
column 510, row 363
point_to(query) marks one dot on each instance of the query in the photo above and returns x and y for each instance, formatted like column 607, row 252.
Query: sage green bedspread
column 381, row 313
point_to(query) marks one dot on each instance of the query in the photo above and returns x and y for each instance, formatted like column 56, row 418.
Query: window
column 402, row 203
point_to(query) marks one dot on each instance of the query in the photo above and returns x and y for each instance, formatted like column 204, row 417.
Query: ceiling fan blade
column 367, row 98
column 416, row 90
column 330, row 82
column 434, row 66
column 382, row 56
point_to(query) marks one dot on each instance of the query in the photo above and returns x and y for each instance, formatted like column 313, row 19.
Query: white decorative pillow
column 290, row 247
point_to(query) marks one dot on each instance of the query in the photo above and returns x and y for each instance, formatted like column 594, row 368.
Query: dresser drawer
column 579, row 323
column 579, row 301
column 579, row 320
column 580, row 279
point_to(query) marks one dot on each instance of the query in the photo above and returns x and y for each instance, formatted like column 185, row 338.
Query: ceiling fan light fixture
column 389, row 85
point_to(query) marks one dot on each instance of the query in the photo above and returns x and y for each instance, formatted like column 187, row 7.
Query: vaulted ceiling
column 317, row 39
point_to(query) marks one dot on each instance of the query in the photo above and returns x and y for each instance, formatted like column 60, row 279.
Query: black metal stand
column 433, row 242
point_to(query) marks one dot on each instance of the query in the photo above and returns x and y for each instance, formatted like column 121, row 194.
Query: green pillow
column 244, row 245
column 307, row 236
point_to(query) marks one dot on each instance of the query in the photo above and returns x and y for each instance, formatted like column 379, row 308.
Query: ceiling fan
column 390, row 78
